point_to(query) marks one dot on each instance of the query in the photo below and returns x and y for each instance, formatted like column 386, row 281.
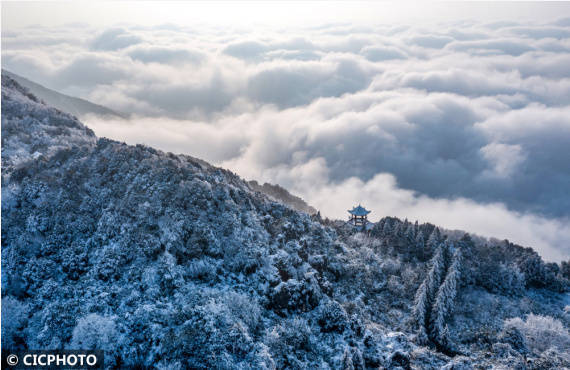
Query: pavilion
column 359, row 216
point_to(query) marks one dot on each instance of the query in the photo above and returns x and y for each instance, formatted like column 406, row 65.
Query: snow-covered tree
column 542, row 333
column 397, row 228
column 420, row 311
column 420, row 245
column 410, row 233
column 565, row 269
column 346, row 362
column 438, row 269
column 14, row 318
column 352, row 359
column 434, row 239
column 387, row 230
column 445, row 301
column 426, row 294
column 95, row 332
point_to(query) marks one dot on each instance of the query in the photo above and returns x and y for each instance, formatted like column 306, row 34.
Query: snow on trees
column 95, row 332
column 420, row 245
column 444, row 301
column 434, row 299
column 420, row 311
column 164, row 260
column 426, row 294
column 542, row 333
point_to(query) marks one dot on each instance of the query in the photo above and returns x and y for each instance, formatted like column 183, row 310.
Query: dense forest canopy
column 163, row 260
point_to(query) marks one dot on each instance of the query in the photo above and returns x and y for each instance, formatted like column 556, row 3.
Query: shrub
column 332, row 318
column 395, row 286
column 541, row 332
column 95, row 332
column 513, row 336
column 295, row 295
column 289, row 342
column 14, row 319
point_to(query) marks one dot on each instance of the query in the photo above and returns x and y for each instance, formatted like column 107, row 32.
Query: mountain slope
column 31, row 129
column 76, row 106
column 163, row 260
column 280, row 194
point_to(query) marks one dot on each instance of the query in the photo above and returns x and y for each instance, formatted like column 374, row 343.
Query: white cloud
column 166, row 55
column 114, row 39
column 464, row 124
column 504, row 158
column 382, row 195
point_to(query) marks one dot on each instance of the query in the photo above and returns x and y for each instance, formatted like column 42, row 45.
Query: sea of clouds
column 465, row 124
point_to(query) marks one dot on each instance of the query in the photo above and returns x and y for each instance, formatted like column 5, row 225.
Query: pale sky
column 17, row 14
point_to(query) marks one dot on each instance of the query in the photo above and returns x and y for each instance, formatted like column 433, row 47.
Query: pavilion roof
column 359, row 211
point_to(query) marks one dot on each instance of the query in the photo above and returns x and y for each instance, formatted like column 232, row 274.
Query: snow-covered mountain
column 281, row 194
column 76, row 106
column 165, row 261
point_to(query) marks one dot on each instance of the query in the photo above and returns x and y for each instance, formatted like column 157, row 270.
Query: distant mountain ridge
column 281, row 194
column 72, row 105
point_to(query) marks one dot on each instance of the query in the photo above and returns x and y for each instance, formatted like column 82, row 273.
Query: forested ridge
column 165, row 261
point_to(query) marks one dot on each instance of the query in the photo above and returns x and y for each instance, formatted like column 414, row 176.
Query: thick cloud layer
column 464, row 124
